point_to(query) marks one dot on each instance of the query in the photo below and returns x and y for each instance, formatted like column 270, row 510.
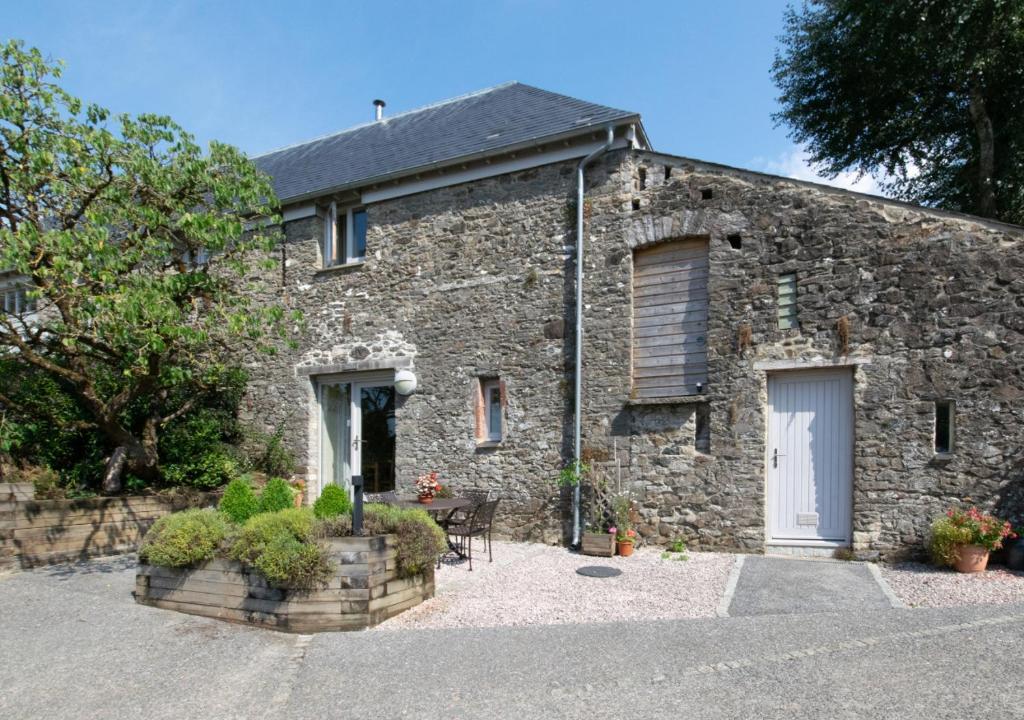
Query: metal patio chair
column 478, row 524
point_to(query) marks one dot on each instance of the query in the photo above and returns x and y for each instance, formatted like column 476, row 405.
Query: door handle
column 775, row 457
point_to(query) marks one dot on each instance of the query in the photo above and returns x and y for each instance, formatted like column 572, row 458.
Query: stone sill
column 671, row 400
column 489, row 444
column 341, row 268
column 943, row 457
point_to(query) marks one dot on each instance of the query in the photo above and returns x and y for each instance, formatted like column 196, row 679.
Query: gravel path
column 920, row 585
column 531, row 584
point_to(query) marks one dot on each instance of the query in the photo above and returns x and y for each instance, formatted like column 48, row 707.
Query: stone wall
column 934, row 306
column 476, row 281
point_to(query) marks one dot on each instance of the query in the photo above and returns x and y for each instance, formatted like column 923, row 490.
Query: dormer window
column 344, row 236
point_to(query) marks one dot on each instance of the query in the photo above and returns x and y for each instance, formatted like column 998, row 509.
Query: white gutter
column 578, row 389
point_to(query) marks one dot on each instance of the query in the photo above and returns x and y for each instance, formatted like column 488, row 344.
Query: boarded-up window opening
column 787, row 301
column 944, row 426
column 670, row 319
column 702, row 431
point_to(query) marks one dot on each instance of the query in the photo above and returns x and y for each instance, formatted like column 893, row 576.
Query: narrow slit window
column 787, row 301
column 668, row 172
column 643, row 178
column 944, row 417
column 702, row 431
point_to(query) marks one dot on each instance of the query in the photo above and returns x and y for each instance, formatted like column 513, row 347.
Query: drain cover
column 601, row 571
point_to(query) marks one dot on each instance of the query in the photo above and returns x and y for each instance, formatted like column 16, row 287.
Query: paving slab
column 786, row 586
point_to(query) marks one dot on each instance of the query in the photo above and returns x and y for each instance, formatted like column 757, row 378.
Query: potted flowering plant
column 298, row 488
column 625, row 535
column 427, row 487
column 963, row 539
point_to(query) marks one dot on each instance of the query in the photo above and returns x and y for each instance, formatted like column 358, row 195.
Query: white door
column 810, row 456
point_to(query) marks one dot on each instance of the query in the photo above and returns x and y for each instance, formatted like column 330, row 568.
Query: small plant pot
column 298, row 499
column 426, row 499
column 625, row 547
column 972, row 559
column 1014, row 554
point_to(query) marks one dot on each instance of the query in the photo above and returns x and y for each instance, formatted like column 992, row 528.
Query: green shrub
column 184, row 538
column 277, row 495
column 207, row 471
column 280, row 546
column 276, row 458
column 333, row 501
column 419, row 539
column 239, row 501
column 260, row 530
column 286, row 561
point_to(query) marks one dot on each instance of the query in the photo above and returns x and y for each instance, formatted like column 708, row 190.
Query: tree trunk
column 115, row 468
column 986, row 194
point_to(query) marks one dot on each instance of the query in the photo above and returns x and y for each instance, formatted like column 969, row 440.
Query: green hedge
column 281, row 546
column 419, row 539
column 239, row 502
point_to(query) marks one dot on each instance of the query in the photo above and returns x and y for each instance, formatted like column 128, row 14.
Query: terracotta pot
column 426, row 499
column 972, row 558
column 298, row 499
column 625, row 547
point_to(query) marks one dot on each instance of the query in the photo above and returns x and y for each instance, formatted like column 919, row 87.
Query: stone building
column 766, row 362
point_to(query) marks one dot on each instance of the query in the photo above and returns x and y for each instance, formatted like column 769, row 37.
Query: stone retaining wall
column 41, row 532
column 364, row 591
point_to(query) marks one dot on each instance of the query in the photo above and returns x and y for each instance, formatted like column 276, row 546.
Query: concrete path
column 74, row 645
column 785, row 586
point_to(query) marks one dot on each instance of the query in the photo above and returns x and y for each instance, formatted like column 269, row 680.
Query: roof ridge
column 422, row 108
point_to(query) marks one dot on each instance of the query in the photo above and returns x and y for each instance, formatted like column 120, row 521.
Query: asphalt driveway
column 73, row 644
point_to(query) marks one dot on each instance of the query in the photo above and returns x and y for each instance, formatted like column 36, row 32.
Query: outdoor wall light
column 405, row 382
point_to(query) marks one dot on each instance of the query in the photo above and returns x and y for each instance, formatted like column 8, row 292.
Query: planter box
column 600, row 544
column 364, row 591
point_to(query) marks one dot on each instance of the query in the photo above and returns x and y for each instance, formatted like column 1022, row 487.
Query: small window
column 492, row 410
column 944, row 427
column 787, row 301
column 702, row 431
column 344, row 236
column 17, row 301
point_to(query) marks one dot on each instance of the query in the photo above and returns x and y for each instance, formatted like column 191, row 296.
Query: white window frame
column 489, row 387
column 332, row 217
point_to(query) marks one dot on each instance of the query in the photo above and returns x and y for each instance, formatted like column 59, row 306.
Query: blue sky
column 261, row 75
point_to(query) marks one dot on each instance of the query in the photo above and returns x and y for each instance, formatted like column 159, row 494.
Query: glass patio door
column 358, row 434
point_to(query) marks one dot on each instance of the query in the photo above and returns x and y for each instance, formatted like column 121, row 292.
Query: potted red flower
column 427, row 487
column 625, row 535
column 963, row 539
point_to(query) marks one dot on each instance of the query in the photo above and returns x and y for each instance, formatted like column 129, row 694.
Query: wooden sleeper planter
column 365, row 590
column 600, row 544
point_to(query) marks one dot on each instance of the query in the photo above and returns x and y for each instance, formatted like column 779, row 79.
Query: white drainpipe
column 578, row 389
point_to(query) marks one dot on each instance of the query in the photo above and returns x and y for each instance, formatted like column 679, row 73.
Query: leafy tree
column 928, row 95
column 135, row 244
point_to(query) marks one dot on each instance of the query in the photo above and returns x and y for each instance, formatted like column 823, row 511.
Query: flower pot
column 426, row 499
column 972, row 559
column 625, row 547
column 1014, row 553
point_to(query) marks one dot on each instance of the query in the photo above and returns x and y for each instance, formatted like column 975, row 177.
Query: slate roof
column 485, row 122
